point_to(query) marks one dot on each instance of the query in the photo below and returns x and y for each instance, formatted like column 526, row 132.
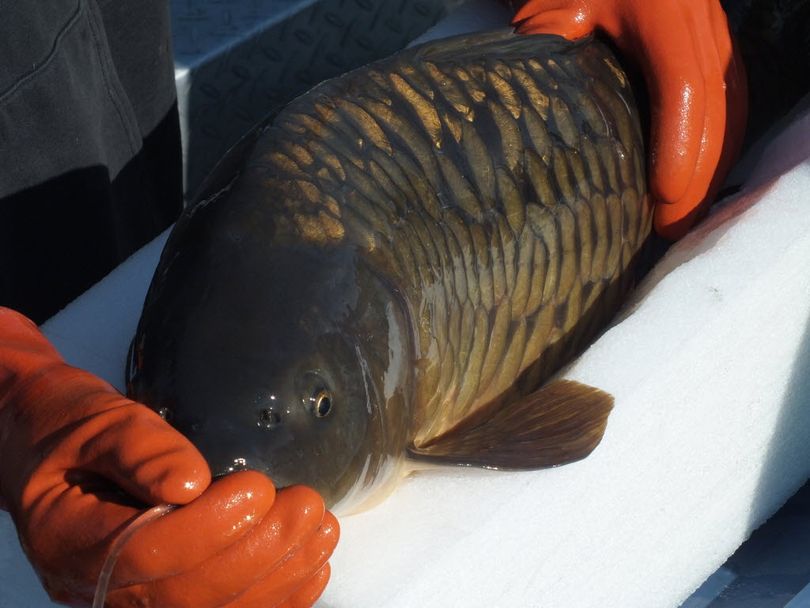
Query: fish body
column 407, row 255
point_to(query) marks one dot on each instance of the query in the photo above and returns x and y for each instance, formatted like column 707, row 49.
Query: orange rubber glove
column 697, row 86
column 78, row 462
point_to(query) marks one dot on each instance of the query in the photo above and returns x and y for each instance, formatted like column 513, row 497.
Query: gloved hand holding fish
column 80, row 461
column 696, row 81
column 408, row 254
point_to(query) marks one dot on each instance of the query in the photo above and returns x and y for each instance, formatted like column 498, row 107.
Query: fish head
column 286, row 358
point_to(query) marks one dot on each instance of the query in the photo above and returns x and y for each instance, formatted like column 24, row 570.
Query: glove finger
column 141, row 453
column 287, row 529
column 304, row 597
column 295, row 574
column 673, row 221
column 560, row 22
column 736, row 118
column 185, row 538
column 307, row 595
column 672, row 70
column 722, row 131
column 684, row 211
column 535, row 7
column 715, row 55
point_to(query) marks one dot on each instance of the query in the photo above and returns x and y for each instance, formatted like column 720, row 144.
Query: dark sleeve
column 774, row 40
column 90, row 143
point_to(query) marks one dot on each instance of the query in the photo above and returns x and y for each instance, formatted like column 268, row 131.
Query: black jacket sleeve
column 89, row 143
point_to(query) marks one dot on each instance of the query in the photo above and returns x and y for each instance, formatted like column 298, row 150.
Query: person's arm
column 696, row 82
column 78, row 461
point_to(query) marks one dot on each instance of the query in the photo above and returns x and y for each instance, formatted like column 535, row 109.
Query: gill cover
column 273, row 354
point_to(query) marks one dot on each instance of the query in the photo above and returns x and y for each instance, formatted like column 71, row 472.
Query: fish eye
column 322, row 403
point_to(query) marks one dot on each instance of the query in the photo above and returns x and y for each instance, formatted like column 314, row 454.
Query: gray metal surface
column 204, row 29
column 802, row 599
column 237, row 61
column 770, row 570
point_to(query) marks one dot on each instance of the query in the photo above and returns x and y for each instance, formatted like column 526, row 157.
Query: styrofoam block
column 708, row 437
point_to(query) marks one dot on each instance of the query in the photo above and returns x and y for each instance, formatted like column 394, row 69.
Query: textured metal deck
column 238, row 60
column 770, row 570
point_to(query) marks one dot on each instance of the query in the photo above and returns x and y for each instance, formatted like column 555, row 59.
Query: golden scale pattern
column 500, row 186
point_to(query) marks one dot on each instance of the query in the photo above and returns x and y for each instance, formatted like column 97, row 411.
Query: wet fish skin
column 369, row 248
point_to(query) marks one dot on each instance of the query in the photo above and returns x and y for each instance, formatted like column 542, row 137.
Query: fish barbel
column 408, row 254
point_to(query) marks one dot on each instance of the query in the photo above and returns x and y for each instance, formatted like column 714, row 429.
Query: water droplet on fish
column 269, row 419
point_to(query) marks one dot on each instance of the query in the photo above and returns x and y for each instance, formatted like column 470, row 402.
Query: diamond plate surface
column 770, row 570
column 238, row 61
column 203, row 29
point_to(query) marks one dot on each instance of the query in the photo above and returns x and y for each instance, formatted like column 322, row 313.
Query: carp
column 405, row 258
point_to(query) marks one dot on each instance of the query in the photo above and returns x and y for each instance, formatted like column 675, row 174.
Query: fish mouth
column 237, row 464
column 243, row 464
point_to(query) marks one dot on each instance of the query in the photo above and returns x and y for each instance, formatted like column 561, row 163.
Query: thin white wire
column 118, row 545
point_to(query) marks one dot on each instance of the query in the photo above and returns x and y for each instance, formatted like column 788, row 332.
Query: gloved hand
column 697, row 87
column 78, row 462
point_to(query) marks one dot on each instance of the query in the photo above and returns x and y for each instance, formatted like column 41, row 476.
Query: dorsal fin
column 559, row 423
column 228, row 168
column 499, row 43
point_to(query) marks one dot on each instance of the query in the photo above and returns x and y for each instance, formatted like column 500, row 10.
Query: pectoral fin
column 559, row 423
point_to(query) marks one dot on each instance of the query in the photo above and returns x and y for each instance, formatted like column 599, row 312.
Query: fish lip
column 240, row 464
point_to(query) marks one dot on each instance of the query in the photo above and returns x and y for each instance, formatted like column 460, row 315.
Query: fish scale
column 554, row 165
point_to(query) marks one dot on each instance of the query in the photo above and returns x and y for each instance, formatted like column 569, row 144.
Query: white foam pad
column 709, row 436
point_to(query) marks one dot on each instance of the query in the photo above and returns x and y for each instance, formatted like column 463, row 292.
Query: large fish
column 408, row 254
